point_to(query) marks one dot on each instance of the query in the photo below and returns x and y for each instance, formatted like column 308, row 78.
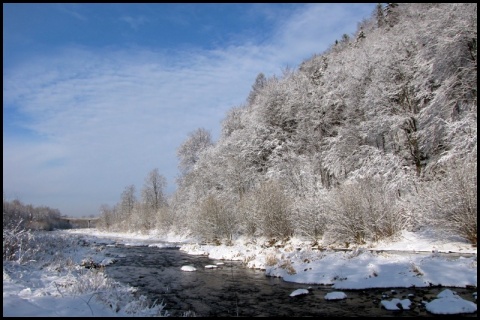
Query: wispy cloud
column 73, row 11
column 317, row 26
column 128, row 112
column 107, row 117
column 135, row 22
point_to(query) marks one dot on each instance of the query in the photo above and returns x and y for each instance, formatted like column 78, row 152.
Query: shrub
column 215, row 220
column 311, row 219
column 364, row 210
column 16, row 243
column 274, row 210
column 451, row 201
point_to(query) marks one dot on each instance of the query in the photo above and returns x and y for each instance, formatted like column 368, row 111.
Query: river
column 232, row 289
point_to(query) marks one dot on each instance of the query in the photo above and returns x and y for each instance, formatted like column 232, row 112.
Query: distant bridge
column 81, row 222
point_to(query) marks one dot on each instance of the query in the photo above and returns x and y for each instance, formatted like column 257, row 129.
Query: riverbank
column 57, row 283
column 420, row 259
column 419, row 263
column 31, row 289
column 413, row 259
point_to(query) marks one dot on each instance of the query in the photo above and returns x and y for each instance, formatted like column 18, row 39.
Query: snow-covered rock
column 396, row 304
column 448, row 302
column 107, row 261
column 299, row 292
column 188, row 268
column 336, row 295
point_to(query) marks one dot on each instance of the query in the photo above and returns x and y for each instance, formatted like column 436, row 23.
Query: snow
column 448, row 302
column 396, row 304
column 335, row 295
column 299, row 292
column 107, row 261
column 59, row 286
column 62, row 289
column 188, row 268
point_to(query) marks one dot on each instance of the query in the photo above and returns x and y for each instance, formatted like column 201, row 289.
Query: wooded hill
column 373, row 136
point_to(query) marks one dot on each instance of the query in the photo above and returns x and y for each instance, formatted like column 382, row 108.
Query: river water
column 232, row 289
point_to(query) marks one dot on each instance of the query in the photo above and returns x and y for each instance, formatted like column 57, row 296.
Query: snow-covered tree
column 126, row 207
column 189, row 151
column 355, row 135
column 260, row 81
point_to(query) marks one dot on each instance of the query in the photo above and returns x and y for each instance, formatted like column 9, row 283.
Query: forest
column 375, row 135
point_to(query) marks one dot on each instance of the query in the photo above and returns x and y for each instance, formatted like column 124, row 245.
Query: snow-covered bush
column 450, row 203
column 17, row 244
column 363, row 210
column 215, row 220
column 311, row 221
column 248, row 219
column 118, row 297
column 274, row 210
column 48, row 248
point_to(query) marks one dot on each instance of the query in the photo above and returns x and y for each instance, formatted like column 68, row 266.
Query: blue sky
column 95, row 96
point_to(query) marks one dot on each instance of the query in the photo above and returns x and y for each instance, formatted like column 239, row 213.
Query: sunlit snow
column 30, row 290
column 299, row 292
column 448, row 302
column 188, row 268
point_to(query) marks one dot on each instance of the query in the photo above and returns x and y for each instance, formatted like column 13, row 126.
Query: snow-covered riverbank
column 58, row 285
column 32, row 290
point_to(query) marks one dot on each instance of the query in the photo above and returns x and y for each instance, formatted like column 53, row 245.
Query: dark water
column 233, row 290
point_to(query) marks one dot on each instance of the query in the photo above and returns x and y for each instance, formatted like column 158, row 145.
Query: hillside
column 376, row 135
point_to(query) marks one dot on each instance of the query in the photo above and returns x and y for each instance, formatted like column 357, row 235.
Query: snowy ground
column 58, row 285
column 71, row 290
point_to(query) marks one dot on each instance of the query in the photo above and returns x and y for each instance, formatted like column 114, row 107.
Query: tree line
column 17, row 215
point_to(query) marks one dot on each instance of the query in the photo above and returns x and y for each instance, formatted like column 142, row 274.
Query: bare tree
column 127, row 204
column 106, row 218
column 153, row 194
